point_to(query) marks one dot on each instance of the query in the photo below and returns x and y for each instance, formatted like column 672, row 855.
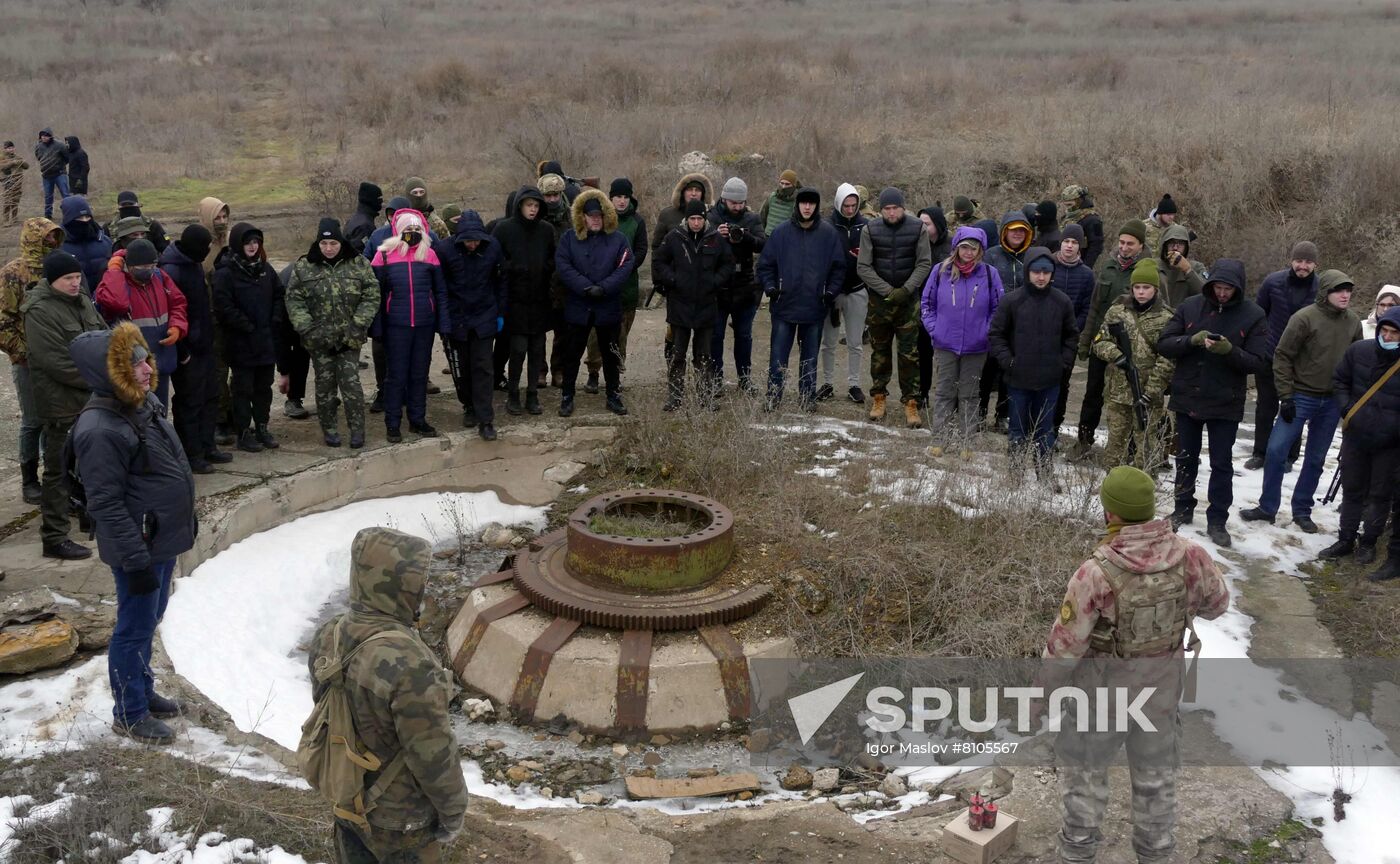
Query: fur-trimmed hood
column 694, row 177
column 103, row 358
column 609, row 212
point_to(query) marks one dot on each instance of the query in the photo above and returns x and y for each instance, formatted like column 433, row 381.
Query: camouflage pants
column 898, row 325
column 1146, row 448
column 1152, row 765
column 339, row 372
column 11, row 206
column 385, row 847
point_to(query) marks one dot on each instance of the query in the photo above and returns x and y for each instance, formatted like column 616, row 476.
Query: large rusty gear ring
column 651, row 563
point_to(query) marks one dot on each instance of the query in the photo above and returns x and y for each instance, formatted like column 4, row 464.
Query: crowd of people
column 979, row 320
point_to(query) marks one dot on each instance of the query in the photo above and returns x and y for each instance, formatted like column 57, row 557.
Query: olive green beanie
column 1145, row 273
column 1129, row 494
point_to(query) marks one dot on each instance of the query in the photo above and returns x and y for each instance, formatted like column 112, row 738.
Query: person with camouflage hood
column 37, row 239
column 1142, row 315
column 398, row 695
column 966, row 212
column 415, row 189
column 52, row 156
column 12, row 169
column 1079, row 210
column 1181, row 276
column 331, row 300
column 140, row 495
column 1305, row 362
column 777, row 210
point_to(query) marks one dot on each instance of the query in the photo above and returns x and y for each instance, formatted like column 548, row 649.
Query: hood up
column 695, row 177
column 1145, row 547
column 33, row 242
column 208, row 209
column 609, row 212
column 969, row 232
column 388, row 569
column 1327, row 282
column 237, row 237
column 1015, row 219
column 1174, row 232
column 470, row 227
column 844, row 191
column 1230, row 271
column 104, row 359
column 940, row 221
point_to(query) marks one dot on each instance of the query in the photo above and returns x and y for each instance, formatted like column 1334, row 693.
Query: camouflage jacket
column 331, row 304
column 1154, row 370
column 12, row 170
column 398, row 691
column 17, row 277
column 1140, row 548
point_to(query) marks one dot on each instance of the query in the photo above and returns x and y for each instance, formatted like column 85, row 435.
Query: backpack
column 330, row 754
column 1153, row 615
column 77, row 495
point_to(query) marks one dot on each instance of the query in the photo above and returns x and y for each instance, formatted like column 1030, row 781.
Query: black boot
column 1387, row 571
column 468, row 417
column 566, row 406
column 32, row 490
column 1342, row 548
column 67, row 550
column 248, row 442
column 376, row 405
column 615, row 405
column 357, row 440
column 332, row 439
column 513, row 403
column 1365, row 552
column 532, row 402
column 1219, row 536
column 591, row 385
column 1182, row 516
column 218, row 457
column 424, row 429
column 487, row 432
column 223, row 434
column 265, row 437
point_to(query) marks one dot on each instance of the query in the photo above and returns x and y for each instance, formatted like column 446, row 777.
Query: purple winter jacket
column 957, row 310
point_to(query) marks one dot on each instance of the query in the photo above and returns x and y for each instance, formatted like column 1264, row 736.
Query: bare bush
column 331, row 190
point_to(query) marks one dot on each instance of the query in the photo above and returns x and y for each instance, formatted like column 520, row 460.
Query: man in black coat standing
column 1218, row 338
column 692, row 266
column 196, row 401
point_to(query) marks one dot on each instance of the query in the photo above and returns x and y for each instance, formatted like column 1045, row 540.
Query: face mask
column 142, row 274
column 412, row 237
column 1388, row 346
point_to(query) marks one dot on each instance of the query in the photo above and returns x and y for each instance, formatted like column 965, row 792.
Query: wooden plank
column 691, row 787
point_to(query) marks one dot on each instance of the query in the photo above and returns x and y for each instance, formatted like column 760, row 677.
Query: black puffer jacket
column 199, row 302
column 1377, row 423
column 1205, row 385
column 527, row 246
column 742, row 290
column 691, row 271
column 247, row 304
column 1033, row 334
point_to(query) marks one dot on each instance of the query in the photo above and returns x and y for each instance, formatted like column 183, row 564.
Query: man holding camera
column 738, row 301
column 1181, row 277
column 1218, row 338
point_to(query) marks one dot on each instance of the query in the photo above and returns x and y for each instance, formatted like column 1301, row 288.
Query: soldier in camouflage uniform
column 1133, row 600
column 965, row 212
column 398, row 696
column 12, row 169
column 332, row 298
column 1142, row 313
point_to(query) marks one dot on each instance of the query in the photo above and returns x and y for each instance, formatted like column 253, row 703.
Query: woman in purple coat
column 959, row 299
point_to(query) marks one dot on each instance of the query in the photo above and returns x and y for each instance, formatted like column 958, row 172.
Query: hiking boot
column 248, row 442
column 376, row 405
column 615, row 405
column 912, row 419
column 1182, row 517
column 1305, row 524
column 487, row 431
column 164, row 709
column 513, row 403
column 1254, row 514
column 1341, row 549
column 1387, row 571
column 1366, row 552
column 294, row 410
column 877, row 409
column 147, row 730
column 824, row 393
column 591, row 385
column 856, row 395
column 30, row 487
column 446, row 370
column 1219, row 536
column 199, row 466
column 357, row 440
column 218, row 457
column 424, row 429
column 566, row 406
column 363, row 364
column 532, row 403
column 67, row 550
column 332, row 439
column 265, row 437
column 223, row 434
column 672, row 404
column 433, row 389
column 393, row 435
column 1254, row 463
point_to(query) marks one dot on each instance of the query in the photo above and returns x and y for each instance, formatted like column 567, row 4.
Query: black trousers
column 1368, row 482
column 1265, row 410
column 500, row 356
column 1220, row 490
column 925, row 364
column 297, row 368
column 991, row 382
column 698, row 342
column 576, row 343
column 195, row 405
column 1062, row 401
column 1091, row 410
column 376, row 353
column 250, row 395
column 471, row 362
column 526, row 347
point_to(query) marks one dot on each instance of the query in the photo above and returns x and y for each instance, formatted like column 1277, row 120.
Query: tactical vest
column 1153, row 613
column 779, row 211
column 894, row 249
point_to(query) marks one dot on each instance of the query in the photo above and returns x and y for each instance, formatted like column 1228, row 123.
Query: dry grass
column 1268, row 121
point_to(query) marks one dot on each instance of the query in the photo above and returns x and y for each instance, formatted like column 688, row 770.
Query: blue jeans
column 1321, row 415
column 809, row 342
column 129, row 652
column 61, row 181
column 408, row 351
column 742, row 322
column 1033, row 413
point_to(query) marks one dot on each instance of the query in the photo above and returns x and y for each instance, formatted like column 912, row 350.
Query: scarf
column 1111, row 532
column 1073, row 215
column 1124, row 263
column 1067, row 261
column 966, row 268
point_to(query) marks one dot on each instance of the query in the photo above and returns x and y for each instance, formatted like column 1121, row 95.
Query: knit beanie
column 620, row 186
column 141, row 253
column 450, row 212
column 195, row 241
column 58, row 264
column 1129, row 494
column 1304, row 250
column 329, row 229
column 551, row 184
column 962, row 205
column 1166, row 205
column 1145, row 273
column 1047, row 215
column 1073, row 231
column 789, row 175
column 735, row 190
column 371, row 195
column 1135, row 228
column 694, row 208
column 891, row 196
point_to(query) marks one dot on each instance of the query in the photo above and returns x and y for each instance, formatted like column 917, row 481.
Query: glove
column 1287, row 410
column 141, row 581
column 117, row 261
column 593, row 292
column 1199, row 337
column 897, row 297
column 773, row 294
column 1221, row 346
column 172, row 336
column 500, row 323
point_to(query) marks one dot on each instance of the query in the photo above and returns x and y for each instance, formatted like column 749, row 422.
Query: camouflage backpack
column 330, row 754
column 1153, row 613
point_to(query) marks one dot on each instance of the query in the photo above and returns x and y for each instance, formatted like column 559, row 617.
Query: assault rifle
column 1335, row 486
column 1125, row 347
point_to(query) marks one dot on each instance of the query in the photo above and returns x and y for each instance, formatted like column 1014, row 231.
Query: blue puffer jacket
column 85, row 241
column 604, row 259
column 801, row 267
column 476, row 289
column 411, row 284
column 1280, row 296
column 1078, row 284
